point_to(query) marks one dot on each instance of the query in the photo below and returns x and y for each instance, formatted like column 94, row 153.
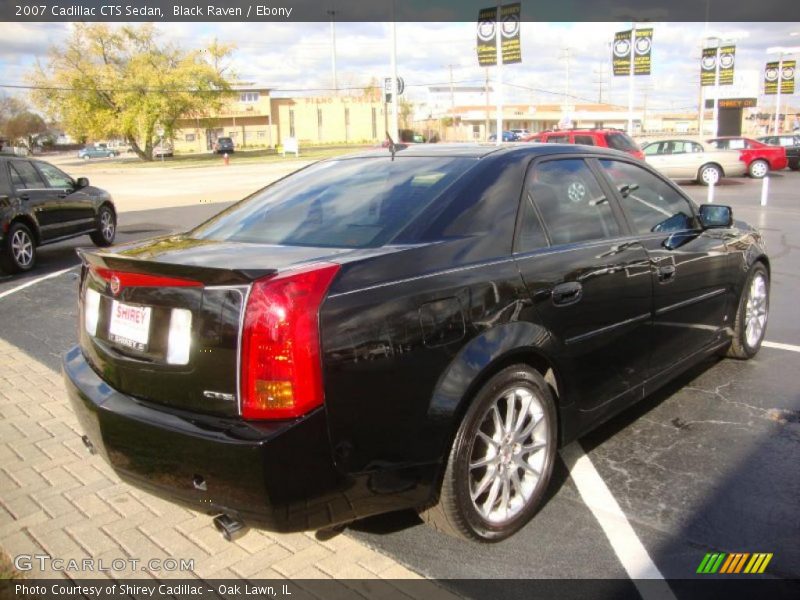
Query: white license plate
column 130, row 325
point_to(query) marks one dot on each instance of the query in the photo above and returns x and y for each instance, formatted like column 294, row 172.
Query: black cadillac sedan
column 419, row 330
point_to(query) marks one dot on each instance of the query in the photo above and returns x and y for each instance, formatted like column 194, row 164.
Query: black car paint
column 52, row 214
column 409, row 332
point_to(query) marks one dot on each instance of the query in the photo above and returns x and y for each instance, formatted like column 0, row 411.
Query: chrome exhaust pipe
column 230, row 527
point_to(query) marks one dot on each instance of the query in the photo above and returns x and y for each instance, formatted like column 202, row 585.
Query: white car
column 686, row 159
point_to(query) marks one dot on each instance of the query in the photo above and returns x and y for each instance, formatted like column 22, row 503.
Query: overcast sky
column 297, row 56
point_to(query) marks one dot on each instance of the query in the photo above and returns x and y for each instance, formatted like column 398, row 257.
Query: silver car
column 686, row 159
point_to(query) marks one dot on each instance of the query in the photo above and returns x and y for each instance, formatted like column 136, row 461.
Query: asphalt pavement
column 707, row 464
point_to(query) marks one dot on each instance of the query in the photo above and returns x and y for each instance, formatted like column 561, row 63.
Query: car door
column 659, row 154
column 689, row 266
column 589, row 283
column 75, row 210
column 36, row 198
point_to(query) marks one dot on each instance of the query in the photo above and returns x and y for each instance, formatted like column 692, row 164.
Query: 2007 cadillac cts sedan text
column 422, row 330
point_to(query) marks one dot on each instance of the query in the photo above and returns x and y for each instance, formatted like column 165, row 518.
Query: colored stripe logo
column 734, row 563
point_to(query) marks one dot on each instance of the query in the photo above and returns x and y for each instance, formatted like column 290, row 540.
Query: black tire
column 19, row 249
column 106, row 227
column 708, row 173
column 794, row 165
column 758, row 169
column 456, row 513
column 744, row 346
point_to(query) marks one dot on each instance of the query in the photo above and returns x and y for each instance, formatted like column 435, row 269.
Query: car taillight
column 281, row 365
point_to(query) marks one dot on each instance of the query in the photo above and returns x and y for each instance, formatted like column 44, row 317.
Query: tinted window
column 651, row 203
column 23, row 175
column 557, row 139
column 55, row 177
column 531, row 233
column 345, row 203
column 620, row 141
column 571, row 202
column 586, row 140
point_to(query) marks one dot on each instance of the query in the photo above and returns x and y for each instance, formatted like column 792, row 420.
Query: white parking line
column 629, row 549
column 780, row 346
column 27, row 284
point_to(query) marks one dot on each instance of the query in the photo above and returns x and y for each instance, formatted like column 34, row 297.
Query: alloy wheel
column 759, row 169
column 710, row 176
column 755, row 315
column 22, row 248
column 508, row 455
column 107, row 225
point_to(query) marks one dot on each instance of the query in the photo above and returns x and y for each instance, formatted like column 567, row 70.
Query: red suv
column 606, row 138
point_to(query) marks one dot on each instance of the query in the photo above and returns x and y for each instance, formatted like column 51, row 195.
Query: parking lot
column 707, row 464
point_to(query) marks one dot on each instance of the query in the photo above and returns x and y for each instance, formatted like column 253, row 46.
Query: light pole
column 781, row 52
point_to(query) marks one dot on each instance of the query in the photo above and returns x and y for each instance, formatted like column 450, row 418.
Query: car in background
column 40, row 204
column 789, row 142
column 520, row 133
column 163, row 150
column 413, row 330
column 97, row 151
column 687, row 159
column 508, row 136
column 603, row 138
column 759, row 157
column 223, row 145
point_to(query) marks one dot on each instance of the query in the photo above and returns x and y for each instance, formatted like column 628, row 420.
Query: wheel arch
column 31, row 224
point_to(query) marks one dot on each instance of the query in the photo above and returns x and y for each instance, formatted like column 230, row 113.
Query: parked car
column 760, row 158
column 791, row 143
column 97, row 151
column 604, row 138
column 163, row 150
column 686, row 159
column 418, row 330
column 223, row 145
column 520, row 133
column 40, row 204
column 508, row 136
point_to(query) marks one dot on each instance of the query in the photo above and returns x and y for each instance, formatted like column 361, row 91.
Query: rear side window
column 586, row 140
column 351, row 203
column 621, row 141
column 571, row 202
column 652, row 205
column 531, row 234
column 24, row 176
column 557, row 139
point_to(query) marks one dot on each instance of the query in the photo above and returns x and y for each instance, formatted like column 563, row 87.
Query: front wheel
column 758, row 169
column 500, row 464
column 709, row 175
column 751, row 314
column 106, row 229
column 19, row 252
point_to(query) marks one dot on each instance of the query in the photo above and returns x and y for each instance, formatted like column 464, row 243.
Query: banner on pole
column 708, row 65
column 771, row 73
column 510, row 40
column 621, row 53
column 642, row 46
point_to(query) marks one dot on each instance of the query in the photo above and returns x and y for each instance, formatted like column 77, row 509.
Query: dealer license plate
column 130, row 325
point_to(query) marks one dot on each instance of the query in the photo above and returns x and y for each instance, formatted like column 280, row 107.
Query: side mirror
column 81, row 182
column 714, row 215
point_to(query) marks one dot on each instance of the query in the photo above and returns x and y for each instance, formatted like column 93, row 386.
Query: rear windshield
column 620, row 141
column 224, row 140
column 350, row 203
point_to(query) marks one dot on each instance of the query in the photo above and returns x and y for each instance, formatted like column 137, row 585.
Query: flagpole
column 498, row 35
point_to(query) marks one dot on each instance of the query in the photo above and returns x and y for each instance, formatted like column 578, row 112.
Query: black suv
column 40, row 204
column 223, row 145
column 791, row 142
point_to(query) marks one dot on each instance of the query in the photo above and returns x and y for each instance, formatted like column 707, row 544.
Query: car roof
column 480, row 150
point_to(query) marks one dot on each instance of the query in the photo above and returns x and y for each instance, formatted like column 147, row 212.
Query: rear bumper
column 278, row 476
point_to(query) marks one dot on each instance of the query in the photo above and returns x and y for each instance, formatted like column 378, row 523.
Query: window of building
column 190, row 137
column 261, row 134
column 248, row 97
column 233, row 134
column 347, row 117
column 291, row 123
column 374, row 122
column 319, row 117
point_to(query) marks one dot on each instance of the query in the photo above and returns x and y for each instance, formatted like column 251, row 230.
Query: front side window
column 652, row 205
column 571, row 202
column 586, row 140
column 352, row 203
column 55, row 177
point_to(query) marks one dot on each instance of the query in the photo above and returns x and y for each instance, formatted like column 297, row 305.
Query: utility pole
column 395, row 131
column 631, row 75
column 332, row 15
column 498, row 36
column 601, row 81
column 486, row 124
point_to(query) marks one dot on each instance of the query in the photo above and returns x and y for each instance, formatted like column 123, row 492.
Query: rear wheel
column 758, row 169
column 501, row 460
column 709, row 175
column 794, row 165
column 19, row 252
column 751, row 315
column 106, row 228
